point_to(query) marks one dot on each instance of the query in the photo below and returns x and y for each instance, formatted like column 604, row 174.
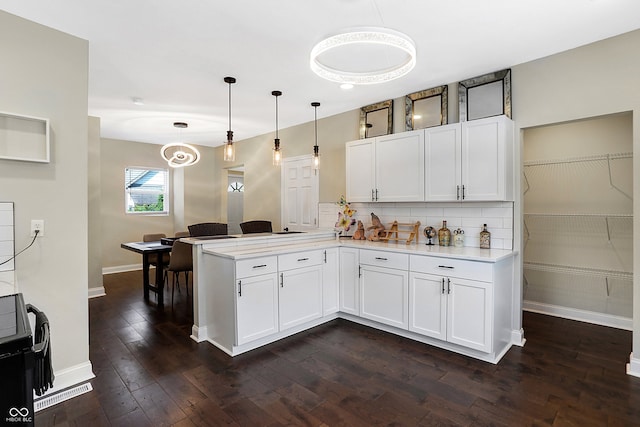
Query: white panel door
column 300, row 296
column 442, row 163
column 399, row 171
column 428, row 305
column 483, row 159
column 299, row 194
column 384, row 295
column 360, row 160
column 256, row 307
column 469, row 313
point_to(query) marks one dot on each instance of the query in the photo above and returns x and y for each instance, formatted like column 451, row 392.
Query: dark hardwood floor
column 150, row 373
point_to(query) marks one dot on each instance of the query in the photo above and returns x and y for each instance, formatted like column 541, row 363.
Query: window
column 235, row 187
column 146, row 191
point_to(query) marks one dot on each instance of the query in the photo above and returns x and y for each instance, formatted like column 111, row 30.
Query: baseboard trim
column 580, row 315
column 633, row 367
column 69, row 377
column 98, row 291
column 121, row 268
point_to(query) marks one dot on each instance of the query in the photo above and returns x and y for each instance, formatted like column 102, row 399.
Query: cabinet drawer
column 463, row 269
column 256, row 266
column 384, row 259
column 300, row 259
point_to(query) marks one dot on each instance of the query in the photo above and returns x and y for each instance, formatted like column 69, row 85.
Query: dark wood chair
column 256, row 226
column 207, row 229
column 181, row 262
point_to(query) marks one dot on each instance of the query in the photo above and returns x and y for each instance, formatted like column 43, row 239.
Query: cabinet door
column 469, row 308
column 428, row 305
column 399, row 171
column 442, row 163
column 360, row 159
column 484, row 147
column 330, row 282
column 300, row 296
column 349, row 281
column 384, row 295
column 256, row 307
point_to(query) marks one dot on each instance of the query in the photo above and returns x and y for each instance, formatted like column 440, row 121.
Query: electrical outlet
column 37, row 224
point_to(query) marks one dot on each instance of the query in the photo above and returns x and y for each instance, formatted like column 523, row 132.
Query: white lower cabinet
column 256, row 307
column 451, row 309
column 452, row 300
column 300, row 296
column 331, row 281
column 349, row 280
column 384, row 287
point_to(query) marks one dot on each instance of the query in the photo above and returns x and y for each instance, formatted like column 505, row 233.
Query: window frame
column 165, row 193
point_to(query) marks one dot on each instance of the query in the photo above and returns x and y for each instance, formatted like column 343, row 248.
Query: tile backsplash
column 469, row 216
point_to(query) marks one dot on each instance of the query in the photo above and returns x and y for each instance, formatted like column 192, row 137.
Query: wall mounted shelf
column 24, row 138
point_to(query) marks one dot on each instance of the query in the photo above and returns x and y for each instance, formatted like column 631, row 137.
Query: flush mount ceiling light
column 179, row 154
column 361, row 56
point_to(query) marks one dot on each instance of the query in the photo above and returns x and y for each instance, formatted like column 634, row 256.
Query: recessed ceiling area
column 173, row 56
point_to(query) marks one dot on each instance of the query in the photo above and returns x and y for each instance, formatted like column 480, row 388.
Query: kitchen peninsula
column 254, row 289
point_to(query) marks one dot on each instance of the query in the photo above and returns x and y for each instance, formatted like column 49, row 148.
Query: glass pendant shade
column 229, row 149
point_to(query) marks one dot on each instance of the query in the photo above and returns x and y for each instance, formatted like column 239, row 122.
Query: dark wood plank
column 150, row 373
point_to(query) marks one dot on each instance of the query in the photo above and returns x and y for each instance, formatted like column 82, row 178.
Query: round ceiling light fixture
column 179, row 154
column 362, row 56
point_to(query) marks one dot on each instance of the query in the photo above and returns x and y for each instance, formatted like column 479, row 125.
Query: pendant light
column 277, row 152
column 180, row 154
column 229, row 149
column 316, row 149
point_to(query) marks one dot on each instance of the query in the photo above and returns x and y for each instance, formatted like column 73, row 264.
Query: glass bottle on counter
column 444, row 235
column 485, row 238
column 458, row 238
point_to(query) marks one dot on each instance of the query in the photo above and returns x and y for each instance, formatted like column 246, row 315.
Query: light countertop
column 281, row 246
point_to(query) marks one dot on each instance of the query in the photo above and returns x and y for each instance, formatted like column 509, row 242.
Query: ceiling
column 174, row 54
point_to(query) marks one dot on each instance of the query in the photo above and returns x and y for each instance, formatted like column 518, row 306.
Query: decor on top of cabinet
column 444, row 235
column 458, row 238
column 430, row 233
column 426, row 108
column 345, row 216
column 376, row 119
column 376, row 226
column 359, row 233
column 485, row 96
column 410, row 228
column 485, row 238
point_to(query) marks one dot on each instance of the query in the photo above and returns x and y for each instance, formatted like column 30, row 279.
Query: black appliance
column 22, row 362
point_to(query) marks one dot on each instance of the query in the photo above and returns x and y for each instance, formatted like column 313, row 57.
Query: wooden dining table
column 149, row 250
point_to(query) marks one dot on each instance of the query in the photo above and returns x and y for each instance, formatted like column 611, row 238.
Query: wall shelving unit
column 24, row 138
column 578, row 243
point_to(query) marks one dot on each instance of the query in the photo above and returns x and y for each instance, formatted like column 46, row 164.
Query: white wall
column 590, row 81
column 44, row 74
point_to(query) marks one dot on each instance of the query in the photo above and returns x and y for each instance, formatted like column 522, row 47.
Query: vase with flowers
column 345, row 216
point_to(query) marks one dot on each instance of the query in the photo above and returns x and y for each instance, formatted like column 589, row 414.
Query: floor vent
column 60, row 397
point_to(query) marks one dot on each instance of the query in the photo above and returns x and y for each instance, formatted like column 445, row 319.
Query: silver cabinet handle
column 446, row 266
column 303, row 259
column 239, row 288
column 372, row 199
column 359, row 271
column 260, row 266
column 282, row 280
column 382, row 258
column 325, row 256
column 463, row 192
column 457, row 192
column 443, row 285
column 376, row 194
column 448, row 285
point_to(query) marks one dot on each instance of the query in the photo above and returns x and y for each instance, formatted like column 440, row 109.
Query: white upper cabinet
column 462, row 161
column 470, row 161
column 442, row 162
column 388, row 168
column 487, row 159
